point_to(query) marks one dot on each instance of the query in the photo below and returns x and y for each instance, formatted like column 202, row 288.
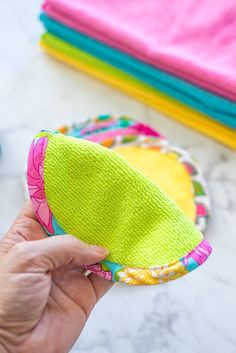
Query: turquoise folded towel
column 216, row 107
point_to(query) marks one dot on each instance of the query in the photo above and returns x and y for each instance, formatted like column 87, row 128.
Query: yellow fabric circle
column 166, row 170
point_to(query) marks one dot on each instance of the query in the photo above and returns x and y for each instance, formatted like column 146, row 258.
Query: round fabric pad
column 138, row 197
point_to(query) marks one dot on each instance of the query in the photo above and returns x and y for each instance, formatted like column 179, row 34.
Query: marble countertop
column 194, row 314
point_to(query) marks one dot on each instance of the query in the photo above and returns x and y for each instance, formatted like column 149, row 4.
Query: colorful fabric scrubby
column 113, row 197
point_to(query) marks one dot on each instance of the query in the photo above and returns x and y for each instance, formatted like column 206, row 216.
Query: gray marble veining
column 194, row 314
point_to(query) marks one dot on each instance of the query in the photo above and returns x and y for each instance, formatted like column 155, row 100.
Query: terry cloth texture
column 91, row 192
column 166, row 171
column 137, row 89
column 169, row 166
column 190, row 39
column 216, row 107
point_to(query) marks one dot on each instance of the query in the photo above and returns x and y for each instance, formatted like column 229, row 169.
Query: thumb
column 51, row 253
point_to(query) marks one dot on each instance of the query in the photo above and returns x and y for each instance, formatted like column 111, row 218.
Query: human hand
column 45, row 297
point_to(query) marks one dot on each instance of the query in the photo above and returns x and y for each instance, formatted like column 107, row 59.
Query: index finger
column 25, row 228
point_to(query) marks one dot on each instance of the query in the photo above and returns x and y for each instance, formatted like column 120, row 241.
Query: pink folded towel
column 195, row 40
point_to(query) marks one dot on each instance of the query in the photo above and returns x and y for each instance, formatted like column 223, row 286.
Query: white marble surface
column 194, row 314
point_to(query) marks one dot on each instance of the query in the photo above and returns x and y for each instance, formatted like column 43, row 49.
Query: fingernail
column 99, row 249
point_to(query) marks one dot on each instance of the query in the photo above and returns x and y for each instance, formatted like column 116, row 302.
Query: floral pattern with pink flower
column 98, row 270
column 35, row 180
column 199, row 254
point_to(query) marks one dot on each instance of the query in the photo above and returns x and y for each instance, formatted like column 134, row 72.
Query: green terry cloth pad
column 84, row 189
column 174, row 169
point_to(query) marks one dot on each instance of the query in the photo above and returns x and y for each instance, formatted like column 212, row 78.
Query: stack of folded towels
column 178, row 58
